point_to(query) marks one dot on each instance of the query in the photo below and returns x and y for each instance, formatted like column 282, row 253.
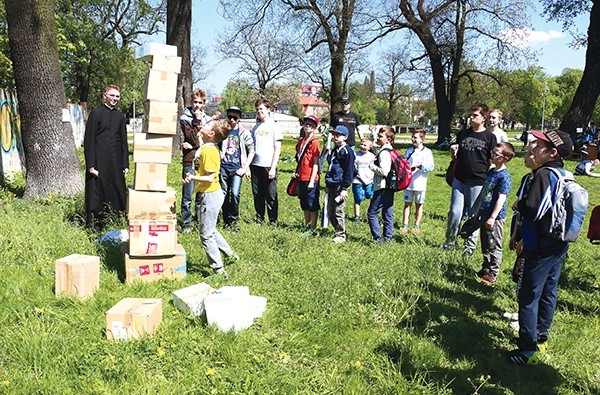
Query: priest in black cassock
column 106, row 160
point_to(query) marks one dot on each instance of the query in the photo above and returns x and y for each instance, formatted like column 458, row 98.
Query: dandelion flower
column 211, row 372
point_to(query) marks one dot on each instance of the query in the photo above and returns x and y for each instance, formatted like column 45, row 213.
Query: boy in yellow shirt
column 209, row 196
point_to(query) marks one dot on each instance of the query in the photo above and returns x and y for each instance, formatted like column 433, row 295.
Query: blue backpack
column 564, row 220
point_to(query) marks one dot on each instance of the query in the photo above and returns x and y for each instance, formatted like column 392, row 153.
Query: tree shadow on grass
column 449, row 349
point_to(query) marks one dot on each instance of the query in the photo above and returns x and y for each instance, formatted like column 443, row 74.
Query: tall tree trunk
column 585, row 98
column 179, row 32
column 335, row 71
column 52, row 162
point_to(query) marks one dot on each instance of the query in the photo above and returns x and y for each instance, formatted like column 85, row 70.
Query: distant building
column 312, row 105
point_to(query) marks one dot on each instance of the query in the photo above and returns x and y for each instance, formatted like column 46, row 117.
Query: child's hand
column 187, row 178
column 489, row 224
column 344, row 195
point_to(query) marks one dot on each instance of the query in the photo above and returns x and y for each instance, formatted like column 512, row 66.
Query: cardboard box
column 151, row 205
column 154, row 268
column 160, row 85
column 152, row 148
column 190, row 300
column 77, row 275
column 133, row 317
column 148, row 50
column 150, row 177
column 149, row 237
column 160, row 117
column 171, row 64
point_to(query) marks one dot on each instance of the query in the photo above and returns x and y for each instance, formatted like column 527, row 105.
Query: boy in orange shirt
column 308, row 150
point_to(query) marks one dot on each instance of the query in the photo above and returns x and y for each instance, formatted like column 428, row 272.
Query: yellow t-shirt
column 208, row 161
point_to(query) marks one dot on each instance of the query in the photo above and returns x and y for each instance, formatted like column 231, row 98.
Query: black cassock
column 105, row 146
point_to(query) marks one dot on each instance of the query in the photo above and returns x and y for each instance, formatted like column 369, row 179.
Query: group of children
column 365, row 173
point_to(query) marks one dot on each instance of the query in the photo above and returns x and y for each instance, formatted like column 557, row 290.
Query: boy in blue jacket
column 543, row 255
column 338, row 179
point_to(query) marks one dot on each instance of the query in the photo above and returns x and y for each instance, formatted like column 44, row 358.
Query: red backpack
column 400, row 174
column 594, row 228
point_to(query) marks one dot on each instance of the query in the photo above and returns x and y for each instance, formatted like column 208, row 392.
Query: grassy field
column 355, row 318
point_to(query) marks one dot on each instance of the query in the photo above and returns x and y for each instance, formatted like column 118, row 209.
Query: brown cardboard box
column 148, row 237
column 152, row 148
column 154, row 268
column 151, row 205
column 160, row 117
column 150, row 177
column 160, row 85
column 77, row 275
column 171, row 64
column 133, row 317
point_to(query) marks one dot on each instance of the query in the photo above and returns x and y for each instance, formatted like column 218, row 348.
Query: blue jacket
column 534, row 204
column 341, row 167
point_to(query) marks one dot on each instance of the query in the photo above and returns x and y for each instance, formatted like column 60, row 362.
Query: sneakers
column 447, row 247
column 186, row 229
column 488, row 279
column 404, row 231
column 221, row 272
column 339, row 239
column 521, row 358
column 356, row 218
column 467, row 252
column 416, row 231
column 543, row 347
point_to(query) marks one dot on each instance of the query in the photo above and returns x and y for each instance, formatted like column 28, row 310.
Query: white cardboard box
column 146, row 51
column 171, row 64
column 190, row 300
column 160, row 86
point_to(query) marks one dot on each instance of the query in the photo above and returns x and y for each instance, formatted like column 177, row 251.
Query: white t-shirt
column 364, row 173
column 416, row 157
column 501, row 136
column 265, row 135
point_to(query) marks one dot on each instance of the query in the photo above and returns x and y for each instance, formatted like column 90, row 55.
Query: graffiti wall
column 13, row 159
column 12, row 156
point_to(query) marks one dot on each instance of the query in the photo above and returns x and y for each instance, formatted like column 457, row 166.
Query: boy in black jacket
column 338, row 179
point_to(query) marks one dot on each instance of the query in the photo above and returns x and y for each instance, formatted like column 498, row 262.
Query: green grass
column 341, row 319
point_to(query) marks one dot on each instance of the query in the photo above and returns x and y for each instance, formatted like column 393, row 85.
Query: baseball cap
column 234, row 109
column 312, row 119
column 345, row 100
column 341, row 129
column 559, row 139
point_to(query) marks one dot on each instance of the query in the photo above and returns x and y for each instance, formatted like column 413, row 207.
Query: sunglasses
column 234, row 117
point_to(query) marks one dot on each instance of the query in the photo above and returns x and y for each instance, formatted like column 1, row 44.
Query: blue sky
column 547, row 39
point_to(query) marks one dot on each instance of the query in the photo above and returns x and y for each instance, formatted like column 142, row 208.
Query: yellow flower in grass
column 160, row 352
column 357, row 364
column 6, row 383
column 211, row 372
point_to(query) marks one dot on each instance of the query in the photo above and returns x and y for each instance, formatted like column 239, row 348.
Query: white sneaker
column 511, row 316
column 339, row 239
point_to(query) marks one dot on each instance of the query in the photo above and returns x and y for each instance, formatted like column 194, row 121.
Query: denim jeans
column 231, row 184
column 264, row 190
column 537, row 296
column 209, row 204
column 382, row 201
column 187, row 194
column 461, row 203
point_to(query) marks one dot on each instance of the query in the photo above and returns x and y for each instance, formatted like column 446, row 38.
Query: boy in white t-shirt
column 421, row 163
column 362, row 185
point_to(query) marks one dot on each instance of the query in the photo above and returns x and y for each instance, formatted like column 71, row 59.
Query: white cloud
column 523, row 38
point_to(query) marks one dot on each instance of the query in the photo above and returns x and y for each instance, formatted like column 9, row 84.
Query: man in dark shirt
column 106, row 160
column 349, row 119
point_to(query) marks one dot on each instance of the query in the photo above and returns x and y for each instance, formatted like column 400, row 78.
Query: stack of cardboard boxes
column 153, row 251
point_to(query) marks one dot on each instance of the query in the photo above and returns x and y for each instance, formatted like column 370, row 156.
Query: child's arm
column 314, row 172
column 385, row 164
column 208, row 177
column 275, row 160
column 489, row 223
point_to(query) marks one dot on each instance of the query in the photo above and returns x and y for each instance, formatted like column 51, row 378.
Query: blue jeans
column 187, row 194
column 264, row 190
column 209, row 205
column 231, row 184
column 461, row 203
column 382, row 201
column 537, row 296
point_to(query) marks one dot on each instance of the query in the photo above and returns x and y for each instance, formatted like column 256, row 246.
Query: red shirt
column 310, row 158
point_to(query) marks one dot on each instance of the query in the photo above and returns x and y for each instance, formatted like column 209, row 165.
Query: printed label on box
column 144, row 270
column 158, row 268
